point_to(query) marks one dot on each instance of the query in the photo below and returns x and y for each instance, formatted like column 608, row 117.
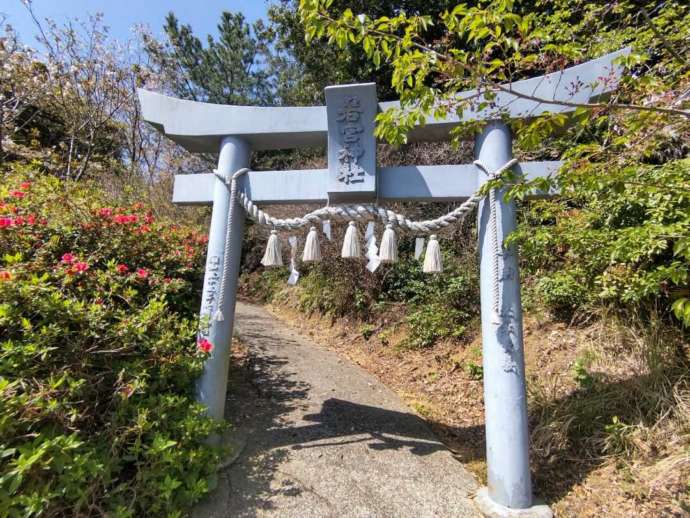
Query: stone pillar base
column 491, row 509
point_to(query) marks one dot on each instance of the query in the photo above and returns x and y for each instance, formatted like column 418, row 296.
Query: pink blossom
column 80, row 267
column 17, row 194
column 105, row 212
column 25, row 186
column 204, row 345
column 122, row 268
column 5, row 275
column 6, row 222
column 68, row 258
column 142, row 273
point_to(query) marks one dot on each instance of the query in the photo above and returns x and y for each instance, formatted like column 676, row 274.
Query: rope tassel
column 273, row 255
column 312, row 249
column 432, row 258
column 388, row 251
column 351, row 247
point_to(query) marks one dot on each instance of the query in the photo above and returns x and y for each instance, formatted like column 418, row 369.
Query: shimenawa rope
column 365, row 212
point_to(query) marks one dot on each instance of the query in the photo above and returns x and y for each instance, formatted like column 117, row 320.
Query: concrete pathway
column 320, row 437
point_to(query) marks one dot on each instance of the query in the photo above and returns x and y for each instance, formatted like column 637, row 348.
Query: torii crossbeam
column 234, row 131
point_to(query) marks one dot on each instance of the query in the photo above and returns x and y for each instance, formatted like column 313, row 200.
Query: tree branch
column 498, row 86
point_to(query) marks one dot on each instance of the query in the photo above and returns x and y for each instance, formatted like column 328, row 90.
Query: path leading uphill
column 320, row 437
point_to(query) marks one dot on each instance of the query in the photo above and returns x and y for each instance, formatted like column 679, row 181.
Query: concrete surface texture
column 320, row 437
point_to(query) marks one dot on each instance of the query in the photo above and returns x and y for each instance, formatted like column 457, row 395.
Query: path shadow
column 276, row 393
column 264, row 396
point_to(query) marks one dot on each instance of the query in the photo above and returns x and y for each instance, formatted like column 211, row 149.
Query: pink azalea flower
column 80, row 267
column 5, row 275
column 6, row 222
column 25, row 186
column 142, row 273
column 17, row 194
column 204, row 345
column 122, row 268
column 68, row 258
column 105, row 212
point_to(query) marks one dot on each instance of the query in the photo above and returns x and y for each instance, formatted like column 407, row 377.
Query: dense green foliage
column 319, row 64
column 618, row 232
column 614, row 238
column 97, row 356
column 435, row 307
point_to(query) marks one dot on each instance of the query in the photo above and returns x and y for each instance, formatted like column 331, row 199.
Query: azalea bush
column 97, row 356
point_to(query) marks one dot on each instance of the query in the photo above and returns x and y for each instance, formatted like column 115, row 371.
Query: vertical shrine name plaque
column 351, row 111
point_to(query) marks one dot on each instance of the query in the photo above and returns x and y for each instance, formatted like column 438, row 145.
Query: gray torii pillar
column 211, row 387
column 505, row 404
column 509, row 489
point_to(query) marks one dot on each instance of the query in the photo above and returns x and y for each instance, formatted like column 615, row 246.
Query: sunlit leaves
column 489, row 44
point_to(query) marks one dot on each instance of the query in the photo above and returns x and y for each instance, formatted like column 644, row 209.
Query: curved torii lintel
column 199, row 126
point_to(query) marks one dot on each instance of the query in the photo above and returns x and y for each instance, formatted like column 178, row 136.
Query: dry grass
column 618, row 428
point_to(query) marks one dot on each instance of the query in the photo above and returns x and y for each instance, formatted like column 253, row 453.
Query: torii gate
column 235, row 131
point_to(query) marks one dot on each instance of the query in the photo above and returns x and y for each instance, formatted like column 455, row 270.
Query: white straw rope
column 369, row 212
column 496, row 246
column 362, row 213
column 220, row 309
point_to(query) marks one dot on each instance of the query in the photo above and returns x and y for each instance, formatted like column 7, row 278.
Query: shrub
column 618, row 238
column 563, row 291
column 97, row 356
column 430, row 322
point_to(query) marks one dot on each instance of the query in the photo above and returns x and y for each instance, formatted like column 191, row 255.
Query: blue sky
column 121, row 15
